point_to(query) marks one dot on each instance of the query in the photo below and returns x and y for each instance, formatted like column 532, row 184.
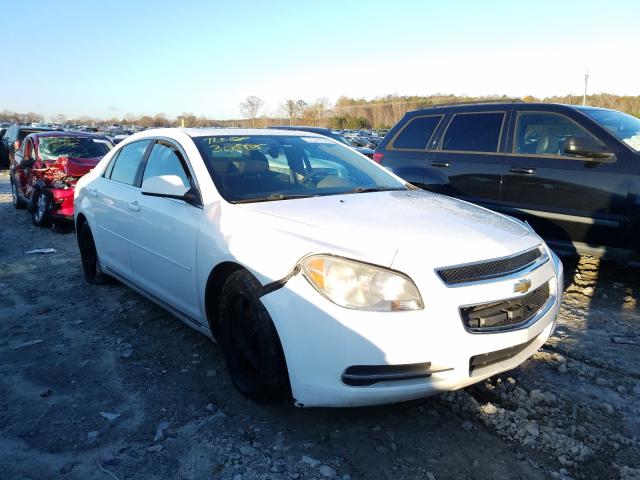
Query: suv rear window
column 416, row 134
column 474, row 132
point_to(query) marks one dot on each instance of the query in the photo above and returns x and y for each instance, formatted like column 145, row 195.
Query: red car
column 46, row 168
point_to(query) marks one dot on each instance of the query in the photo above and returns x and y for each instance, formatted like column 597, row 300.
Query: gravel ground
column 98, row 383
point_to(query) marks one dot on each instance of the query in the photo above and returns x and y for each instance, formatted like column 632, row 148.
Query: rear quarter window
column 415, row 135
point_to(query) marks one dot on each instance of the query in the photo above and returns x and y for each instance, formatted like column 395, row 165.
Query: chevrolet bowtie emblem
column 522, row 286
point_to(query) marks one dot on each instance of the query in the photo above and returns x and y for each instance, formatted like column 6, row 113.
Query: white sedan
column 326, row 278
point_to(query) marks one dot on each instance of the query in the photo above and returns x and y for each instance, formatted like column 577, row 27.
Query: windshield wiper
column 376, row 189
column 273, row 197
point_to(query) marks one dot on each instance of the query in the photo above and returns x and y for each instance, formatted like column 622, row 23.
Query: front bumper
column 63, row 203
column 322, row 340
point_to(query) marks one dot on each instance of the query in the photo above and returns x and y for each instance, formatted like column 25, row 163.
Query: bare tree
column 290, row 107
column 300, row 106
column 250, row 108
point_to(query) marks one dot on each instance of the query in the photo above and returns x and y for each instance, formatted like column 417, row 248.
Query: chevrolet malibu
column 326, row 278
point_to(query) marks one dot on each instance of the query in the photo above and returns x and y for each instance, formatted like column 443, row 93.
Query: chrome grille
column 491, row 269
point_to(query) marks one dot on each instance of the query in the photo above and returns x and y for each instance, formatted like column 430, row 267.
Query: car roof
column 497, row 105
column 212, row 132
column 302, row 128
column 58, row 133
column 35, row 129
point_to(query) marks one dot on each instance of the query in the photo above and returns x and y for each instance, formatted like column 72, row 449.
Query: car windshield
column 337, row 136
column 50, row 148
column 623, row 126
column 258, row 168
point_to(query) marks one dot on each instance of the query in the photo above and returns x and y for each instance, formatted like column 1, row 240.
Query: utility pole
column 586, row 81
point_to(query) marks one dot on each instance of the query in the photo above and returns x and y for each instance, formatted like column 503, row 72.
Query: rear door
column 164, row 236
column 566, row 198
column 467, row 160
column 406, row 152
column 114, row 202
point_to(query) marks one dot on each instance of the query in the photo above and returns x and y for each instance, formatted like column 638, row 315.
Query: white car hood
column 433, row 230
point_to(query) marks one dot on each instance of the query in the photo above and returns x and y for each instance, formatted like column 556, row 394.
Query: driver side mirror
column 589, row 148
column 168, row 186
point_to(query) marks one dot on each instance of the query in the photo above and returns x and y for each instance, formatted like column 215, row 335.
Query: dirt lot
column 98, row 383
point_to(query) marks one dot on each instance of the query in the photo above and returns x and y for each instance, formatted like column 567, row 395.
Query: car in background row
column 46, row 169
column 3, row 130
column 572, row 172
column 368, row 152
column 326, row 278
column 12, row 141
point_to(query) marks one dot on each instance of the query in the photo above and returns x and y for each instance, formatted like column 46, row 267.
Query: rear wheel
column 43, row 203
column 251, row 345
column 15, row 197
column 90, row 262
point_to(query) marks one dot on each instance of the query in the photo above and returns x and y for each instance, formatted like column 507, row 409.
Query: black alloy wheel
column 90, row 262
column 250, row 342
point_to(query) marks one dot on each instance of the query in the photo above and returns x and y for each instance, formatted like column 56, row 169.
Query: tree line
column 352, row 113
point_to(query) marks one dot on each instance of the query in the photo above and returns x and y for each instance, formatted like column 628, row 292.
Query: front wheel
column 43, row 203
column 90, row 262
column 250, row 342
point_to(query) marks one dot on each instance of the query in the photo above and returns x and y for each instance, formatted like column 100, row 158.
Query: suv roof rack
column 474, row 102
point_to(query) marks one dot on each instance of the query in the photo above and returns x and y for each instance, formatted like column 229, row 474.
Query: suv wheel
column 43, row 202
column 250, row 342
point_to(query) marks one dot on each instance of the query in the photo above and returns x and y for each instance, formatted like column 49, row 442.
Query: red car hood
column 77, row 167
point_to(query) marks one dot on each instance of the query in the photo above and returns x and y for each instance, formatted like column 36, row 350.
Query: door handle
column 440, row 164
column 134, row 206
column 523, row 171
column 93, row 192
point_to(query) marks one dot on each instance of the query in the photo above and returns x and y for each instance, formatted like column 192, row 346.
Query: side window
column 474, row 132
column 127, row 162
column 416, row 134
column 543, row 133
column 165, row 160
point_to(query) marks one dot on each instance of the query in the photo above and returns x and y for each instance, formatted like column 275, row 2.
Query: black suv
column 12, row 139
column 572, row 172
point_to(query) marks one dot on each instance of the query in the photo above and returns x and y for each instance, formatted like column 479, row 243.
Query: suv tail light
column 16, row 145
column 377, row 157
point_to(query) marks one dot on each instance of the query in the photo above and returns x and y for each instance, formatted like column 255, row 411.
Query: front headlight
column 360, row 286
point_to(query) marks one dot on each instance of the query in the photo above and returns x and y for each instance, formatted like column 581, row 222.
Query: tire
column 88, row 254
column 43, row 203
column 18, row 202
column 250, row 342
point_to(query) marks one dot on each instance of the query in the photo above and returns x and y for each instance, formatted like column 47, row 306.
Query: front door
column 567, row 199
column 164, row 238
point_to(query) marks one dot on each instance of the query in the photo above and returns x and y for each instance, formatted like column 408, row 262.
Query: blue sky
column 114, row 57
